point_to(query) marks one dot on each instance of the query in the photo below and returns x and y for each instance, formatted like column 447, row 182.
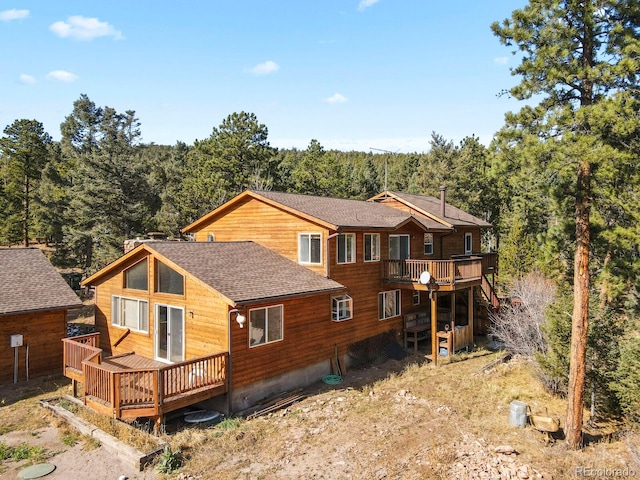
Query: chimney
column 443, row 191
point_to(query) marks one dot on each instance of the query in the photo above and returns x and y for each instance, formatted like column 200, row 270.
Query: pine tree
column 574, row 56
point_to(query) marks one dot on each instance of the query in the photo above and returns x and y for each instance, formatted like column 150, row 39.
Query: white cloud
column 14, row 14
column 83, row 28
column 335, row 98
column 501, row 60
column 265, row 68
column 62, row 76
column 366, row 4
column 27, row 79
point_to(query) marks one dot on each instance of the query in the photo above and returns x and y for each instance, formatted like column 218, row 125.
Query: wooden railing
column 443, row 272
column 150, row 388
column 489, row 261
column 77, row 349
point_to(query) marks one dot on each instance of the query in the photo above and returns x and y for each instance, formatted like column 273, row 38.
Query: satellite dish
column 425, row 278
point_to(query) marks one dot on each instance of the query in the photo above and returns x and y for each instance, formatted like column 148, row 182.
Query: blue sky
column 352, row 74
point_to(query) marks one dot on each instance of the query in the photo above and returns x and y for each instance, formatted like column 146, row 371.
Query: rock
column 505, row 450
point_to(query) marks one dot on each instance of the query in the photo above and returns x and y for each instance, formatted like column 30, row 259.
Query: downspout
column 326, row 254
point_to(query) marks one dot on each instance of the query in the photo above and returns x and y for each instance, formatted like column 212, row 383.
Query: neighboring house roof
column 432, row 208
column 28, row 282
column 334, row 213
column 240, row 271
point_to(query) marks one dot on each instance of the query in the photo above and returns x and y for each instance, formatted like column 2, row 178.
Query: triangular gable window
column 168, row 280
column 137, row 277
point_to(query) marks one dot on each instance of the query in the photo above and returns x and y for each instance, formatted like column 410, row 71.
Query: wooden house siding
column 205, row 332
column 267, row 225
column 42, row 331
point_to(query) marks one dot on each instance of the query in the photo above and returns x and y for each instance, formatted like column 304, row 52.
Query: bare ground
column 399, row 420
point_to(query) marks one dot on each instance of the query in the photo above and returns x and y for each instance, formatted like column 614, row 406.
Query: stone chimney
column 443, row 203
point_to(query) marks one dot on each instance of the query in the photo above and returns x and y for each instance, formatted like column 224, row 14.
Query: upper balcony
column 447, row 275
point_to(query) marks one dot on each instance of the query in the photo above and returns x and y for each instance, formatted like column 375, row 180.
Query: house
column 34, row 301
column 274, row 289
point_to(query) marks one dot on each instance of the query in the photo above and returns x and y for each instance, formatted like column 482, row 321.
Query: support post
column 470, row 313
column 434, row 327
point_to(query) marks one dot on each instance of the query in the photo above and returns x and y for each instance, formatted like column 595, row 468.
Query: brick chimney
column 443, row 203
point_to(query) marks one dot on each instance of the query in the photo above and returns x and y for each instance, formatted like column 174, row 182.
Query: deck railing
column 77, row 349
column 151, row 388
column 443, row 272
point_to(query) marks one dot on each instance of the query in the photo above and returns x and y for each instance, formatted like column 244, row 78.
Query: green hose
column 332, row 379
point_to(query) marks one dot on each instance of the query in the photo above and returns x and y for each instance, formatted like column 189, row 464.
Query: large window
column 169, row 281
column 468, row 243
column 309, row 248
column 265, row 325
column 341, row 308
column 371, row 247
column 428, row 243
column 389, row 304
column 346, row 248
column 136, row 277
column 130, row 313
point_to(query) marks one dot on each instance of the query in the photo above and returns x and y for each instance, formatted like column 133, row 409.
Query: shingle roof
column 453, row 215
column 243, row 271
column 28, row 282
column 346, row 213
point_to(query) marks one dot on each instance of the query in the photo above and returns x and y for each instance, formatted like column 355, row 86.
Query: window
column 398, row 247
column 346, row 248
column 416, row 297
column 341, row 308
column 309, row 250
column 371, row 247
column 389, row 304
column 169, row 281
column 130, row 313
column 428, row 243
column 136, row 277
column 211, row 237
column 468, row 243
column 265, row 325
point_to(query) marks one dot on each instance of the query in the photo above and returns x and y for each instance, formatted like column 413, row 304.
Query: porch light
column 241, row 319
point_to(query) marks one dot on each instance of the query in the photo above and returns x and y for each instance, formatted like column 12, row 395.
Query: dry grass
column 417, row 423
column 402, row 420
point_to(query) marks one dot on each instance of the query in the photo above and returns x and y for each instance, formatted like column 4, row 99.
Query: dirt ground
column 402, row 419
column 75, row 462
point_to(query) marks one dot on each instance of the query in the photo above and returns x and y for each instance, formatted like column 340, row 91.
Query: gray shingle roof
column 243, row 271
column 453, row 215
column 28, row 282
column 345, row 213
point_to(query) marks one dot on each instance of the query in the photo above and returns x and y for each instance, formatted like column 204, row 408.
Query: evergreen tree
column 235, row 157
column 574, row 56
column 24, row 152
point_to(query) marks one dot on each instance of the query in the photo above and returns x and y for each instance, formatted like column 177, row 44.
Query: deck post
column 470, row 312
column 434, row 327
column 115, row 393
column 453, row 324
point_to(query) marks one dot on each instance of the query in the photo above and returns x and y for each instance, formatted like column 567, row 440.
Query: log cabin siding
column 267, row 225
column 205, row 331
column 42, row 331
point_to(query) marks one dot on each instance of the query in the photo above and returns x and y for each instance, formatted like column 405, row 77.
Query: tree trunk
column 580, row 318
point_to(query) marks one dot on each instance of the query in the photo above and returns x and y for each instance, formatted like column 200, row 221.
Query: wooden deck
column 460, row 272
column 130, row 385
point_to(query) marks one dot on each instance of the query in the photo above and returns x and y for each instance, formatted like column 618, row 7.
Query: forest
column 560, row 182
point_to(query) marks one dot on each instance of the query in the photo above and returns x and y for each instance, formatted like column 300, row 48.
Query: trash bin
column 518, row 414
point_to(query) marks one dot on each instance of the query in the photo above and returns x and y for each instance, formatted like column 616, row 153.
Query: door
column 398, row 250
column 169, row 333
column 398, row 247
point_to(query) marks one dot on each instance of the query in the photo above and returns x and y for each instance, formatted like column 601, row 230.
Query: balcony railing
column 443, row 272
